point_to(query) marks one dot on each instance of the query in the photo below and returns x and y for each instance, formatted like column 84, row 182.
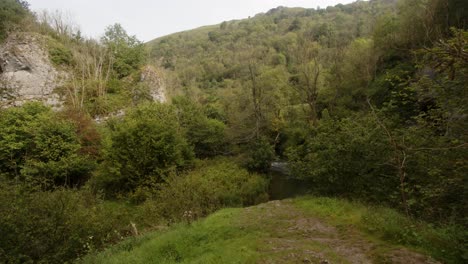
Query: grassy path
column 297, row 237
column 275, row 232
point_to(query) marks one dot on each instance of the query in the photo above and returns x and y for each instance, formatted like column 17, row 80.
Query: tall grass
column 216, row 239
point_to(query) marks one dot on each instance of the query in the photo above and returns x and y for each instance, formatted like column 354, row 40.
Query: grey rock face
column 157, row 87
column 26, row 72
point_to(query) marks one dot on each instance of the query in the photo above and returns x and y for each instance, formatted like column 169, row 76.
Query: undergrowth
column 215, row 239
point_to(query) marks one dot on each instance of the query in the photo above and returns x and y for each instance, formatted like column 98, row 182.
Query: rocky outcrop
column 26, row 73
column 151, row 77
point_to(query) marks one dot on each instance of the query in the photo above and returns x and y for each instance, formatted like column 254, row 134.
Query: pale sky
column 149, row 19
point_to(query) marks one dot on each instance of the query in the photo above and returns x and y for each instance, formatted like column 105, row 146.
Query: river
column 282, row 186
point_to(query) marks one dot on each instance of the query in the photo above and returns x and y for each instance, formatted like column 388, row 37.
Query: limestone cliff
column 26, row 72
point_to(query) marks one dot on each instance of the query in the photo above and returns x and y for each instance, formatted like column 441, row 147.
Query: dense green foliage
column 59, row 54
column 12, row 12
column 346, row 157
column 128, row 52
column 260, row 155
column 41, row 154
column 142, row 149
column 42, row 149
column 412, row 152
column 365, row 101
column 212, row 185
column 54, row 227
column 205, row 134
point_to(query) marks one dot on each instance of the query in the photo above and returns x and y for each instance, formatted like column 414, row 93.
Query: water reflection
column 282, row 186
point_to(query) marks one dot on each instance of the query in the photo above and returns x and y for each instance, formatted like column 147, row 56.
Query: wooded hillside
column 363, row 102
column 366, row 100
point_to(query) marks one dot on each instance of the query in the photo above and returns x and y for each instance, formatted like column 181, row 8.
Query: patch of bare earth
column 294, row 237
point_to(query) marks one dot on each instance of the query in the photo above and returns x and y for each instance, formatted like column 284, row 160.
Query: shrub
column 39, row 147
column 260, row 155
column 12, row 12
column 212, row 185
column 354, row 157
column 141, row 149
column 346, row 157
column 206, row 135
column 59, row 54
column 128, row 53
column 55, row 227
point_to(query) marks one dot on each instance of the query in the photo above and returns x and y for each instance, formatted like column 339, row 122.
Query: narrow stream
column 282, row 186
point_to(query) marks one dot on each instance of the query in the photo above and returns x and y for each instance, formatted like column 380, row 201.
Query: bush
column 141, row 149
column 212, row 185
column 39, row 147
column 260, row 155
column 128, row 53
column 59, row 54
column 354, row 158
column 346, row 157
column 56, row 227
column 206, row 135
column 12, row 12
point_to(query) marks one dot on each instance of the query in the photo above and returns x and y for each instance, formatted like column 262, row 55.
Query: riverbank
column 301, row 230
